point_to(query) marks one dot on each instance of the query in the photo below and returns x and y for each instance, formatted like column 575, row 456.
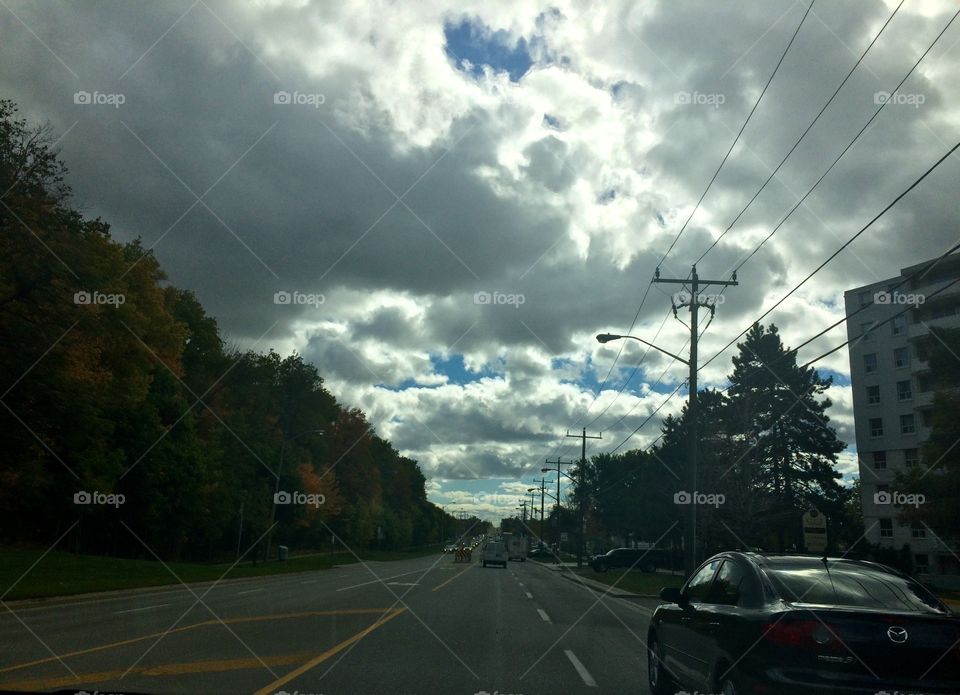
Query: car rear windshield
column 856, row 587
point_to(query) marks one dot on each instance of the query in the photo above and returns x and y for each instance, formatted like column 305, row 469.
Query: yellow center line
column 205, row 623
column 214, row 666
column 440, row 586
column 283, row 680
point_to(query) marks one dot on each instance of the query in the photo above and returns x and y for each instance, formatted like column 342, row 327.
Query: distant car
column 495, row 553
column 751, row 623
column 644, row 560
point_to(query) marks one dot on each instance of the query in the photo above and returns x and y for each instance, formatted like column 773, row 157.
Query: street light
column 276, row 489
column 690, row 535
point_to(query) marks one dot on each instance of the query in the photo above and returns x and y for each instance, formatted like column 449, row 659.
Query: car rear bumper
column 796, row 682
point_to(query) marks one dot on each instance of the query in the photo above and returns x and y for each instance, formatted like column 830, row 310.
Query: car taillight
column 802, row 633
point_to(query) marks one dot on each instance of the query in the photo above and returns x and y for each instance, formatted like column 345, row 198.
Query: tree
column 778, row 409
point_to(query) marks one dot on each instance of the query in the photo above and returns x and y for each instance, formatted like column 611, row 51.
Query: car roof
column 788, row 561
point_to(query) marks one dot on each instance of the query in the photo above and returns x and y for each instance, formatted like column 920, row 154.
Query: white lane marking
column 529, row 595
column 383, row 579
column 581, row 669
column 248, row 591
column 145, row 608
column 403, row 583
column 309, row 581
column 543, row 614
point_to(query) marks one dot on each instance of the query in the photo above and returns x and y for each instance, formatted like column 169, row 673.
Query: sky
column 441, row 204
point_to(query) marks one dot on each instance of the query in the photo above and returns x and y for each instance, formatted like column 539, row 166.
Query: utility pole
column 583, row 465
column 543, row 483
column 695, row 302
column 559, row 463
column 523, row 512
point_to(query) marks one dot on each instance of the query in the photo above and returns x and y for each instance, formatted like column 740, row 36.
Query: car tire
column 656, row 673
column 601, row 567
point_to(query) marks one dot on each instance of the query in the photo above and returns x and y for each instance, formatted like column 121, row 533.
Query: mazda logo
column 897, row 634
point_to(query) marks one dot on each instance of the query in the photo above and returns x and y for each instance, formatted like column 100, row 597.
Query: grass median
column 63, row 574
column 634, row 581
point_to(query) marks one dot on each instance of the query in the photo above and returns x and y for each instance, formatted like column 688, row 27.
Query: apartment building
column 893, row 391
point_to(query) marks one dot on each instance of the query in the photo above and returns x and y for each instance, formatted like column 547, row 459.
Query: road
column 427, row 625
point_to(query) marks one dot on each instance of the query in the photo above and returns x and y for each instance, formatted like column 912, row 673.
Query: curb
column 595, row 585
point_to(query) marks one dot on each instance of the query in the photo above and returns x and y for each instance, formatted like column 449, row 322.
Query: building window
column 880, row 460
column 865, row 298
column 876, row 427
column 873, row 395
column 886, row 528
column 901, row 357
column 918, row 531
column 899, row 325
column 911, row 457
column 870, row 363
column 866, row 332
column 907, row 424
column 904, row 391
column 921, row 563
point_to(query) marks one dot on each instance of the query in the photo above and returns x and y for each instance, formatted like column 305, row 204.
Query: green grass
column 62, row 574
column 633, row 581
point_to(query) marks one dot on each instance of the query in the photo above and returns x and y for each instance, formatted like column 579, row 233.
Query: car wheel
column 602, row 567
column 656, row 673
column 730, row 684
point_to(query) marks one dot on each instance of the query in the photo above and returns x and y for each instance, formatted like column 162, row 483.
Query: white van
column 495, row 553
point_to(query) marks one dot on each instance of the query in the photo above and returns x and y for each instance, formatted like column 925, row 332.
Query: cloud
column 398, row 185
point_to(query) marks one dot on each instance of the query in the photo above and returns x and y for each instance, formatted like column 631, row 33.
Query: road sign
column 814, row 531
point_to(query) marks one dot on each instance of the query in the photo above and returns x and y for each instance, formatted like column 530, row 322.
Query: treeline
column 127, row 427
column 766, row 454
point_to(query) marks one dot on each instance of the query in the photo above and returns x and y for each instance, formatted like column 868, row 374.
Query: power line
column 742, row 128
column 837, row 252
column 803, row 134
column 849, row 145
column 684, row 226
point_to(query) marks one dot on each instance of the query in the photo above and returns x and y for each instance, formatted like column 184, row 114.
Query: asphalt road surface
column 418, row 626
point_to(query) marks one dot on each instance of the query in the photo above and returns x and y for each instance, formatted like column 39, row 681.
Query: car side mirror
column 672, row 594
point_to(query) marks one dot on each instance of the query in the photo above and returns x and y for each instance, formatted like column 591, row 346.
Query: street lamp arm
column 607, row 337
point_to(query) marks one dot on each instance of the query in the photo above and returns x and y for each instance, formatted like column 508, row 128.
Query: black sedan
column 750, row 623
column 542, row 554
column 626, row 558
